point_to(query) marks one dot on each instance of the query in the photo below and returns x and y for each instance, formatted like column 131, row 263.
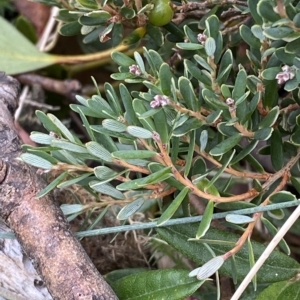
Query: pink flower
column 135, row 70
column 201, row 38
column 159, row 100
column 286, row 74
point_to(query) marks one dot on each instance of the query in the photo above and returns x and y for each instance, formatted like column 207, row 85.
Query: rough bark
column 39, row 224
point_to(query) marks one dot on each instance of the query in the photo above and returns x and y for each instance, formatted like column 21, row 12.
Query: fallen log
column 39, row 224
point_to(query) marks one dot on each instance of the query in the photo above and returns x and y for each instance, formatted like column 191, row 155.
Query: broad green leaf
column 18, row 55
column 131, row 208
column 273, row 231
column 277, row 263
column 94, row 18
column 277, row 157
column 52, row 185
column 295, row 137
column 296, row 184
column 103, row 172
column 197, row 73
column 166, row 284
column 206, row 220
column 130, row 115
column 278, row 33
column 86, row 125
column 161, row 125
column 226, row 145
column 169, row 212
column 281, row 290
column 213, row 100
column 213, row 117
column 133, row 154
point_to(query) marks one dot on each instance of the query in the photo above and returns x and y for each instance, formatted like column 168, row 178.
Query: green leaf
column 190, row 154
column 252, row 4
column 131, row 208
column 63, row 129
column 208, row 269
column 107, row 189
column 273, row 231
column 238, row 219
column 161, row 125
column 266, row 11
column 197, row 73
column 114, row 125
column 122, row 59
column 270, row 118
column 277, row 157
column 282, row 196
column 211, row 98
column 226, row 145
column 277, row 263
column 68, row 146
column 249, row 37
column 244, row 152
column 189, row 46
column 99, row 151
column 52, row 185
column 169, row 212
column 206, row 220
column 252, row 262
column 270, row 73
column 94, row 18
column 36, row 161
column 166, row 284
column 240, row 84
column 70, row 29
column 134, row 154
column 139, row 132
column 41, row 138
column 295, row 137
column 210, row 46
column 73, row 181
column 263, row 134
column 18, row 55
column 281, row 290
column 278, row 33
column 188, row 94
column 225, row 67
column 158, row 176
column 165, row 76
column 70, row 209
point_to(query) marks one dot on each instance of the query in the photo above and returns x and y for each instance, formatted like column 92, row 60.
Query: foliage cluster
column 207, row 97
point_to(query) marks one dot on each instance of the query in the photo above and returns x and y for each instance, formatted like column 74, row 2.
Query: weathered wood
column 39, row 224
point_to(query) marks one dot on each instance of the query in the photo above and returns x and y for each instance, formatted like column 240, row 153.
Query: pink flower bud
column 135, row 70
